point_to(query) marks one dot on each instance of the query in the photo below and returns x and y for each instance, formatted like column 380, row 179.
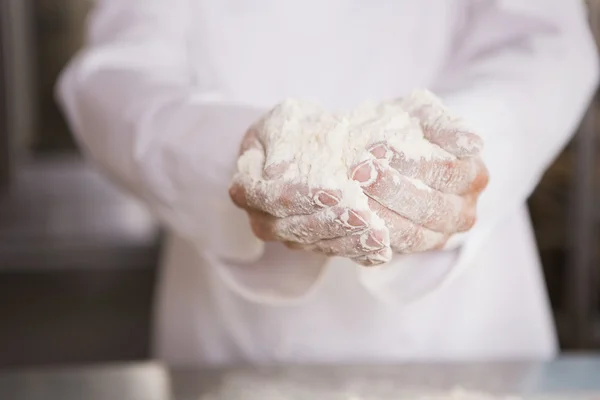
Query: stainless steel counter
column 567, row 376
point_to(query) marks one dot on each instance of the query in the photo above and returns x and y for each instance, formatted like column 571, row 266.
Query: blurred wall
column 58, row 35
column 17, row 54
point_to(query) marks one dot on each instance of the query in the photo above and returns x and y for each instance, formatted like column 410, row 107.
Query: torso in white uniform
column 327, row 52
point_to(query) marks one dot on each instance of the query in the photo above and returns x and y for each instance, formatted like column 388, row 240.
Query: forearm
column 521, row 76
column 132, row 103
column 526, row 100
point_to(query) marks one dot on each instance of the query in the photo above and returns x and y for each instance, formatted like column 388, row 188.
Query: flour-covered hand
column 419, row 175
column 418, row 217
column 426, row 197
column 300, row 216
column 441, row 126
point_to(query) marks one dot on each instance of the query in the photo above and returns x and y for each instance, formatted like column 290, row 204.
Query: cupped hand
column 304, row 217
column 413, row 204
column 425, row 201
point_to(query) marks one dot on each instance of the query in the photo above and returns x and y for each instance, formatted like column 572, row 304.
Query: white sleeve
column 136, row 108
column 522, row 74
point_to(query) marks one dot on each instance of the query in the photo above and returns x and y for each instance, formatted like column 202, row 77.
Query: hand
column 303, row 217
column 423, row 202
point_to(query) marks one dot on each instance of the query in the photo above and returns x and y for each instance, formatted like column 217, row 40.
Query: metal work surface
column 568, row 377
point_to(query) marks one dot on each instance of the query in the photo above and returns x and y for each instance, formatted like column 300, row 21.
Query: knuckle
column 445, row 173
column 408, row 239
column 438, row 214
column 303, row 230
column 286, row 200
column 455, row 176
column 297, row 234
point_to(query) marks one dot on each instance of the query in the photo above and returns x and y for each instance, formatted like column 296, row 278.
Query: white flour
column 319, row 148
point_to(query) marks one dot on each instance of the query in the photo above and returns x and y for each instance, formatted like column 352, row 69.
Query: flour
column 307, row 145
column 434, row 115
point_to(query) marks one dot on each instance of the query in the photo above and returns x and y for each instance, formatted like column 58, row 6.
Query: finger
column 250, row 141
column 279, row 198
column 455, row 176
column 352, row 246
column 453, row 139
column 377, row 258
column 257, row 159
column 413, row 200
column 406, row 236
column 441, row 127
column 262, row 226
column 332, row 223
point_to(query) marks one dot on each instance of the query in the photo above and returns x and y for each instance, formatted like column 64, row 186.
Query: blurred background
column 78, row 260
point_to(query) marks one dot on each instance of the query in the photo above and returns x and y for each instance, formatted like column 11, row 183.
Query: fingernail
column 382, row 152
column 365, row 173
column 352, row 220
column 369, row 241
column 324, row 199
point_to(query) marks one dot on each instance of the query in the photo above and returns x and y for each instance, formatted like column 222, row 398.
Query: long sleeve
column 140, row 113
column 522, row 74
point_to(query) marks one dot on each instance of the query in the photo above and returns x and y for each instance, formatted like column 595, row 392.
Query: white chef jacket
column 163, row 91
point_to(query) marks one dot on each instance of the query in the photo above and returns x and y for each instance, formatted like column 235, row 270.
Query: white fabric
column 164, row 90
column 495, row 311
